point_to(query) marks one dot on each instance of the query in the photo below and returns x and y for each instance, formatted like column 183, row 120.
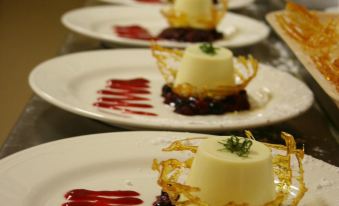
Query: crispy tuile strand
column 319, row 39
column 246, row 71
column 171, row 170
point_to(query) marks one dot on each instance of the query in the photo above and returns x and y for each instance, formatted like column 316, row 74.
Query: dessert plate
column 41, row 175
column 232, row 4
column 71, row 82
column 98, row 22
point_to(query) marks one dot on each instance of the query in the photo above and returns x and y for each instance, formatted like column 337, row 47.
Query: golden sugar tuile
column 165, row 55
column 319, row 39
column 175, row 18
column 282, row 167
column 180, row 146
column 171, row 169
column 249, row 135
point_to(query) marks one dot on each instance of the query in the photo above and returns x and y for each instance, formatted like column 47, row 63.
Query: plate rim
column 86, row 136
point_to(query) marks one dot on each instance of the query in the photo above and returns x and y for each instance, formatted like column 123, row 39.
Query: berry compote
column 194, row 106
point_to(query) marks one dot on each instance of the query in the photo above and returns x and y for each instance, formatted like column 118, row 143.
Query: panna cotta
column 205, row 70
column 224, row 177
column 197, row 12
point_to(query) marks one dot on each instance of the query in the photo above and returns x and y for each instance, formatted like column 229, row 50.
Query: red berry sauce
column 82, row 197
column 127, row 96
column 133, row 32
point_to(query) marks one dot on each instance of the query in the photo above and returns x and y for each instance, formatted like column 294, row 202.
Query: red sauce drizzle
column 122, row 95
column 81, row 197
column 133, row 32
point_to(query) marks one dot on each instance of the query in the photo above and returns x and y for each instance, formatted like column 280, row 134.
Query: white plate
column 71, row 82
column 40, row 176
column 232, row 4
column 98, row 22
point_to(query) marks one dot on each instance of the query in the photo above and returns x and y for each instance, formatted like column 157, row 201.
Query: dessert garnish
column 234, row 144
column 198, row 83
column 208, row 48
column 287, row 174
column 319, row 39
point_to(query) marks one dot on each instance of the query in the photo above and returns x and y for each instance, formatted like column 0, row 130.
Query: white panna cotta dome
column 206, row 71
column 225, row 177
column 195, row 11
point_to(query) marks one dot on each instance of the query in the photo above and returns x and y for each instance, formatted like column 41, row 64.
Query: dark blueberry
column 166, row 89
column 202, row 106
column 216, row 107
column 194, row 107
column 170, row 97
column 179, row 101
column 163, row 200
column 190, row 34
column 230, row 100
column 192, row 99
column 185, row 110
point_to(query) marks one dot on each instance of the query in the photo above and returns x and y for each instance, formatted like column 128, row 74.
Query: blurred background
column 30, row 32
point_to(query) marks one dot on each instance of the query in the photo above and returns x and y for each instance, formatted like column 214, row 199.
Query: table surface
column 316, row 129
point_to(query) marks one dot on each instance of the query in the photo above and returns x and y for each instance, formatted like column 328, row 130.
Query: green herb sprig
column 240, row 146
column 208, row 48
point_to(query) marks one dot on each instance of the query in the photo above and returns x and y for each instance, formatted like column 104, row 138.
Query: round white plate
column 40, row 176
column 232, row 4
column 71, row 82
column 98, row 22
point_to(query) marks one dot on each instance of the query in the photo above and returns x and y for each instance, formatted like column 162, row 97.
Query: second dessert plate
column 41, row 176
column 99, row 23
column 232, row 4
column 72, row 83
